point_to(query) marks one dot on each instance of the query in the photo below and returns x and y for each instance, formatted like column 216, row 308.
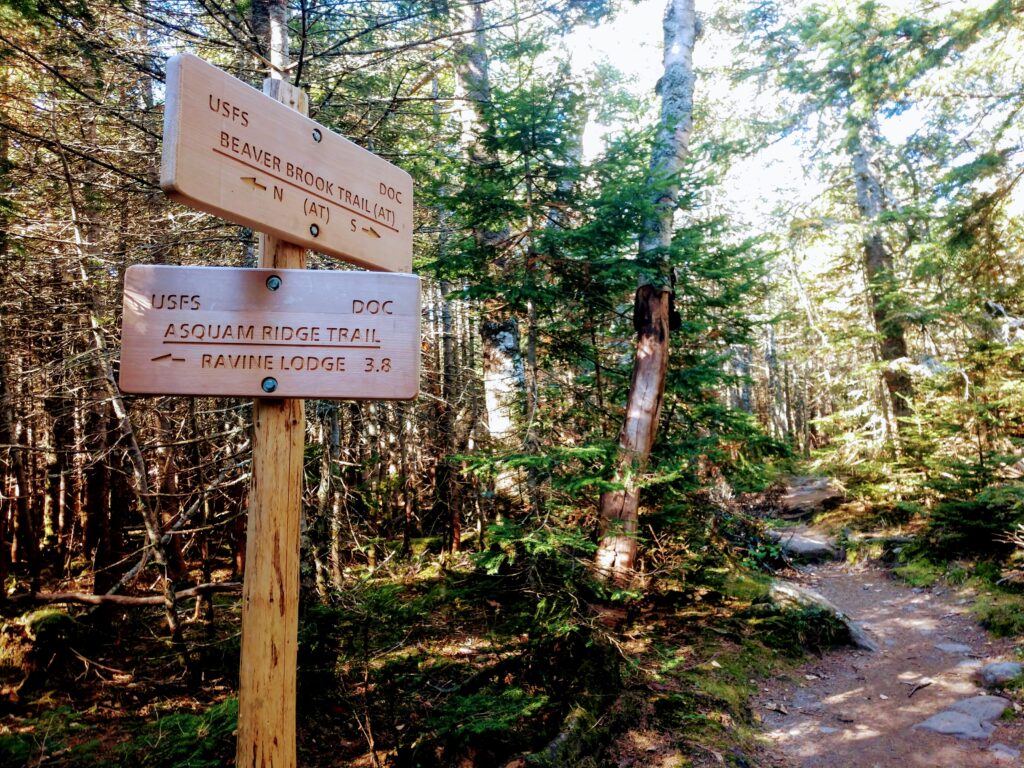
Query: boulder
column 1000, row 673
column 957, row 724
column 802, row 547
column 968, row 718
column 785, row 593
column 985, row 708
column 808, row 495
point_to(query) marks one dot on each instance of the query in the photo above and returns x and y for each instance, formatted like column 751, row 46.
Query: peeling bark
column 619, row 509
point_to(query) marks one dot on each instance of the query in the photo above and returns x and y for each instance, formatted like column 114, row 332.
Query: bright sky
column 632, row 43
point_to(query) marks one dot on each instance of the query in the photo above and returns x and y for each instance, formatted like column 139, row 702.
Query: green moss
column 748, row 587
column 864, row 551
column 186, row 740
column 49, row 623
column 17, row 749
column 1001, row 613
column 920, row 572
column 38, row 738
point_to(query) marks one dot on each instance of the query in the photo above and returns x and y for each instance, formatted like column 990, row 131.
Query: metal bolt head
column 269, row 384
column 317, row 136
column 273, row 282
column 314, row 230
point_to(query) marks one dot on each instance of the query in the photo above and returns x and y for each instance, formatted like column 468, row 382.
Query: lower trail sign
column 270, row 332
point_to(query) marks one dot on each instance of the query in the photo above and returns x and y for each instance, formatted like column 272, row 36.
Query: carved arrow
column 251, row 181
column 168, row 357
column 372, row 232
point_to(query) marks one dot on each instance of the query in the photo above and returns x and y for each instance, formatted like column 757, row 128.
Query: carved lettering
column 390, row 193
column 316, row 210
column 288, row 333
column 209, row 332
column 256, row 154
column 312, row 363
column 222, row 107
column 353, row 335
column 240, row 362
column 174, row 301
column 372, row 307
column 310, row 179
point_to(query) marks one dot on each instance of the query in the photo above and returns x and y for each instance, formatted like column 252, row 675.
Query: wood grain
column 270, row 592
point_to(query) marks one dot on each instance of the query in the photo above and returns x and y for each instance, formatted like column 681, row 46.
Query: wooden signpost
column 232, row 152
column 260, row 332
column 277, row 333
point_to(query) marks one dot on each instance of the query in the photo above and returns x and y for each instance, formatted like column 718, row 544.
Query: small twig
column 917, row 687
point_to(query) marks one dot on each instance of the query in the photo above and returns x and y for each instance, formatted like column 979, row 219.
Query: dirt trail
column 856, row 708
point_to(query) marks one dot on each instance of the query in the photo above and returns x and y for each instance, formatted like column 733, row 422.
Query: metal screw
column 317, row 135
column 314, row 230
column 269, row 384
column 273, row 282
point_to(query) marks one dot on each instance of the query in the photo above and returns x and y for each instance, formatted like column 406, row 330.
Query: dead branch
column 128, row 601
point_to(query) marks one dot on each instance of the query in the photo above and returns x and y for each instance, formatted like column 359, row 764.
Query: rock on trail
column 807, row 495
column 801, row 545
column 918, row 701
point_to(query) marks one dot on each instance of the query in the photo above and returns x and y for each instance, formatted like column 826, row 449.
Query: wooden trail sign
column 234, row 152
column 270, row 332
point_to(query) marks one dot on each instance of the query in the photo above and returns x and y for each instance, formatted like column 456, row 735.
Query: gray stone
column 1004, row 753
column 806, row 549
column 808, row 495
column 1000, row 673
column 982, row 707
column 953, row 647
column 957, row 724
column 969, row 664
column 827, row 729
column 786, row 594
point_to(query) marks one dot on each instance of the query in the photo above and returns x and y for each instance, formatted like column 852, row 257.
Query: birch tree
column 619, row 508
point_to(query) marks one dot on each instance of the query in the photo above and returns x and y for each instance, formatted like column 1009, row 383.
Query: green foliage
column 493, row 713
column 976, row 525
column 38, row 739
column 795, row 632
column 186, row 740
column 1001, row 613
column 920, row 572
column 511, row 542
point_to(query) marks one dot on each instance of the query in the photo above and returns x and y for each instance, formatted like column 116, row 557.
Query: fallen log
column 128, row 601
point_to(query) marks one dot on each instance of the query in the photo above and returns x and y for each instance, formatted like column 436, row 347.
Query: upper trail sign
column 231, row 151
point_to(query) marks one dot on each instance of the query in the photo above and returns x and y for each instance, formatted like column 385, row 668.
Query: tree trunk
column 504, row 378
column 270, row 591
column 619, row 509
column 25, row 535
column 882, row 287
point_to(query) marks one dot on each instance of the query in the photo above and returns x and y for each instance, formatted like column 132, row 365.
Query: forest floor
column 853, row 707
column 491, row 669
